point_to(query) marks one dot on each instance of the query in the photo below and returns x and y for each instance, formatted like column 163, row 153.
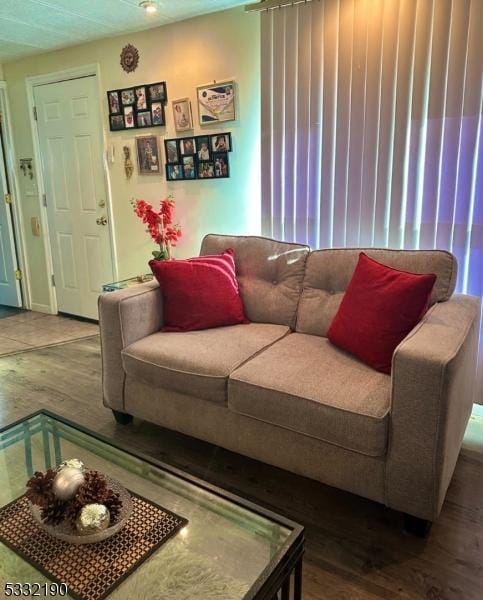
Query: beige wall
column 185, row 54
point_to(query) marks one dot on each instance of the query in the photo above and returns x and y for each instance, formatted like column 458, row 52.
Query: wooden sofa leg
column 416, row 526
column 122, row 418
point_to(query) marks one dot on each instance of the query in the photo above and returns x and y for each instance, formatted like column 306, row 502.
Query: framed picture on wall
column 157, row 113
column 174, row 172
column 198, row 156
column 144, row 119
column 203, row 147
column 157, row 92
column 171, row 151
column 128, row 117
column 140, row 106
column 222, row 168
column 183, row 120
column 216, row 102
column 117, row 122
column 127, row 97
column 189, row 170
column 114, row 106
column 147, row 152
column 187, row 146
column 206, row 170
column 141, row 103
column 221, row 142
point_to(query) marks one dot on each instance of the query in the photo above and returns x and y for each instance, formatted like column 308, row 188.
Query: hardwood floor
column 355, row 548
column 27, row 329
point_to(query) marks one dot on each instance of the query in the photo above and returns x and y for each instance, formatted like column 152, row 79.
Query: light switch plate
column 35, row 224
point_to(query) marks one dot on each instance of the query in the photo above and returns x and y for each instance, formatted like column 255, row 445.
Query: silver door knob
column 101, row 220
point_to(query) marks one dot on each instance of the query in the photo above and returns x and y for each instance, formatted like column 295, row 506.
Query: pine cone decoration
column 72, row 510
column 54, row 512
column 39, row 488
column 93, row 490
column 114, row 503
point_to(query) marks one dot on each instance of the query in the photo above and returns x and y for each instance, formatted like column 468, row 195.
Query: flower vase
column 164, row 252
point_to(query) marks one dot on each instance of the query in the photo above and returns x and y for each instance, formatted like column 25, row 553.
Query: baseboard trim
column 43, row 308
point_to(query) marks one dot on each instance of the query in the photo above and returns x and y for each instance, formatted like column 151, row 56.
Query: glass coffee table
column 230, row 546
column 127, row 283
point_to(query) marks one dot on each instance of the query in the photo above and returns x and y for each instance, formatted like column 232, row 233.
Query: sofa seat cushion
column 305, row 384
column 197, row 363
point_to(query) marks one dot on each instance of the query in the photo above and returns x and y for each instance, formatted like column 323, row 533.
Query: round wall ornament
column 129, row 58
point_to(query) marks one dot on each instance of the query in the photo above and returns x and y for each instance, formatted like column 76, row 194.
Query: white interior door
column 9, row 286
column 69, row 128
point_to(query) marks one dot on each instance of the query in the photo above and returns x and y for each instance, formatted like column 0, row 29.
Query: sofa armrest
column 125, row 317
column 433, row 383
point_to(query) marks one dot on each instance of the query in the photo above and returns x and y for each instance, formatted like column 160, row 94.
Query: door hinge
column 44, row 200
column 34, row 108
column 8, row 198
column 53, row 280
column 18, row 275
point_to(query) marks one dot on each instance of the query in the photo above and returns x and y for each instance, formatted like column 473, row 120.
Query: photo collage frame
column 137, row 107
column 198, row 157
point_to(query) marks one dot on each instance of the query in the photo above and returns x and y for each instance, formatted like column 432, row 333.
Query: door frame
column 20, row 255
column 57, row 77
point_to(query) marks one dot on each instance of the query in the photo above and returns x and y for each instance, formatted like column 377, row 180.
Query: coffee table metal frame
column 285, row 566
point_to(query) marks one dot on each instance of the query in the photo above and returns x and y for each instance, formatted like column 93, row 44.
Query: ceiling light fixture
column 149, row 6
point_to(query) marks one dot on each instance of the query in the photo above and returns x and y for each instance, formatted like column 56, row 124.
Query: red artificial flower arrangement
column 160, row 225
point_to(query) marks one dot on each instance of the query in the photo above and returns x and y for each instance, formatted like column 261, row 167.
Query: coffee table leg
column 57, row 448
column 45, row 441
column 286, row 589
column 28, row 449
column 297, row 589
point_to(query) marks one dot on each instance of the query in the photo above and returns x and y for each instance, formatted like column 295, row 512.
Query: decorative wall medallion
column 129, row 58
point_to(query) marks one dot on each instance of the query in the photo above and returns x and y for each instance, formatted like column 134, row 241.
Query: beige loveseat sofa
column 277, row 390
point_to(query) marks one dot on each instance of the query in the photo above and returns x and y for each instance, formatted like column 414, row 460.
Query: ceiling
column 33, row 26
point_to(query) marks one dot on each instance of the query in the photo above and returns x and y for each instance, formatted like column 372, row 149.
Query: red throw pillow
column 380, row 307
column 199, row 293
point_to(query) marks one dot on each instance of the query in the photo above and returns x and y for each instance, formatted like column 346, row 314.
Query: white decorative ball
column 67, row 482
column 75, row 463
column 92, row 518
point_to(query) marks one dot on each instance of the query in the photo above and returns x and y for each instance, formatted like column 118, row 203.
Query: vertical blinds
column 371, row 126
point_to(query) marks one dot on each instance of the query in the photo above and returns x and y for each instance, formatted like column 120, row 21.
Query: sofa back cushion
column 328, row 273
column 270, row 275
